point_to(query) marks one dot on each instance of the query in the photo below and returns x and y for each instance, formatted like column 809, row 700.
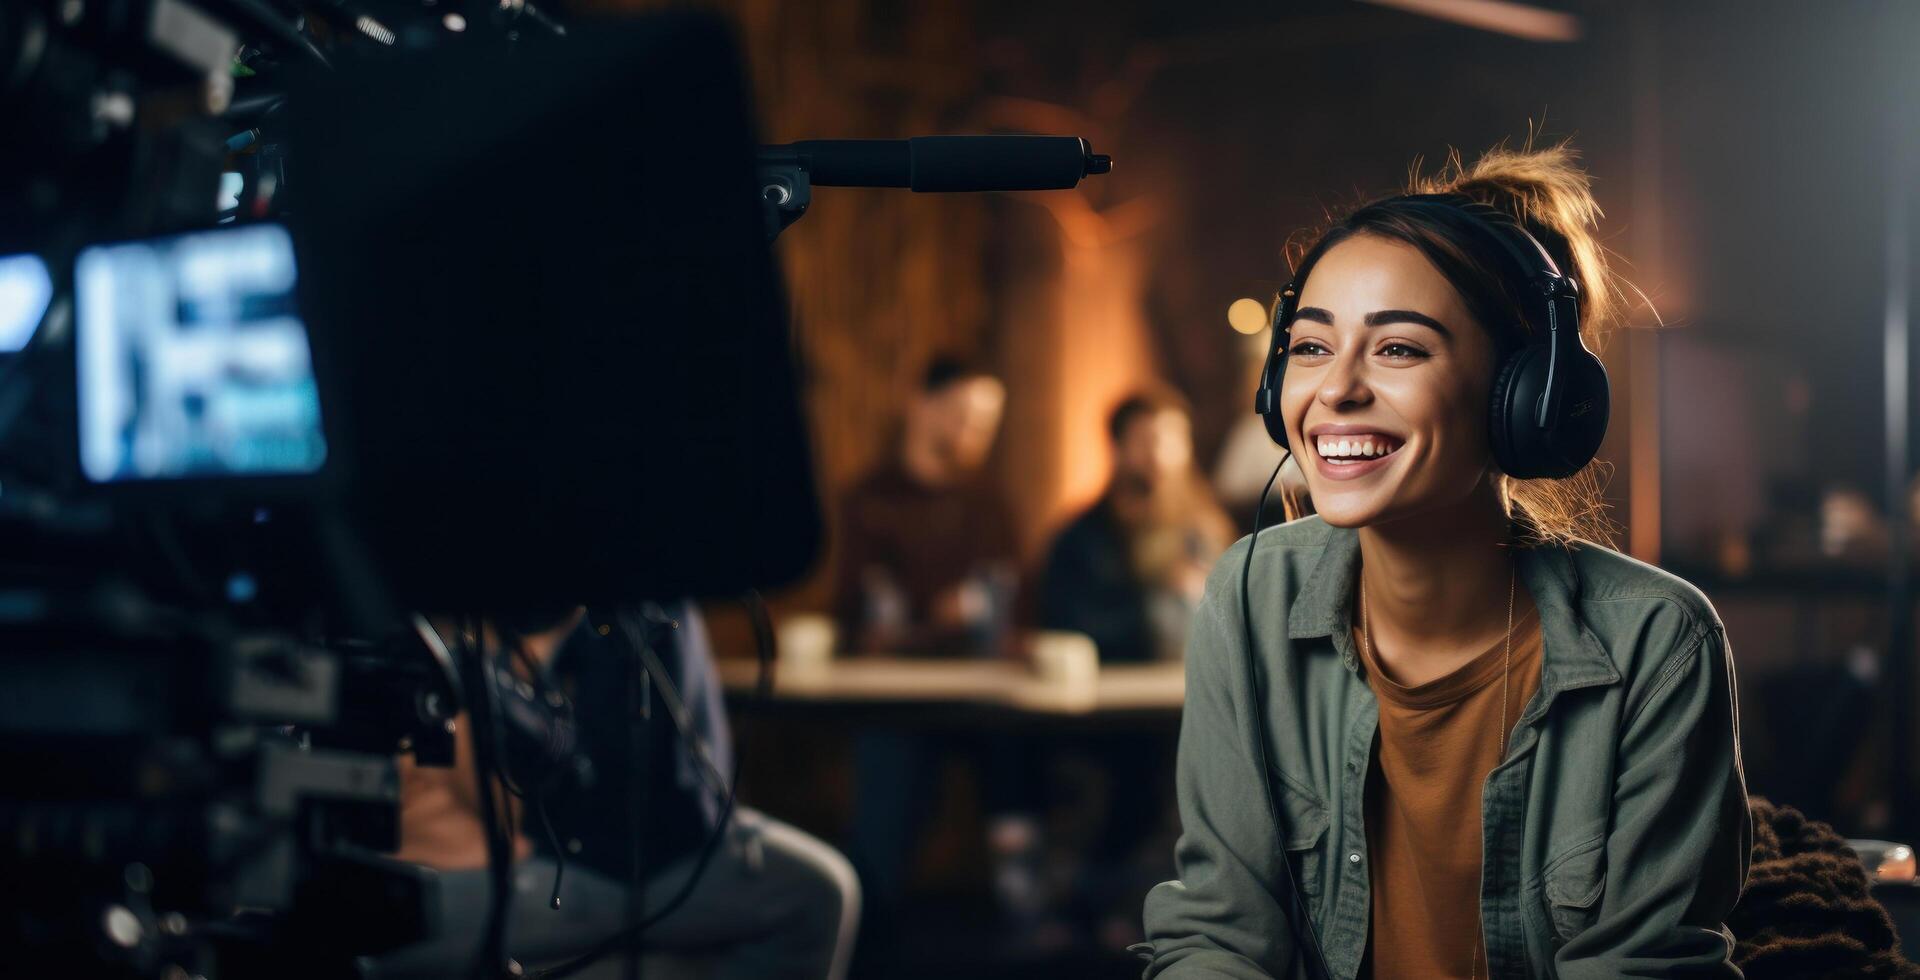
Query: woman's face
column 1385, row 395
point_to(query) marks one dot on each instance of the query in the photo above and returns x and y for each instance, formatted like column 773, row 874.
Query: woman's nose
column 1344, row 383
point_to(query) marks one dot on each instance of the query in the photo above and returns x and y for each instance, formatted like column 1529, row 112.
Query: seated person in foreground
column 772, row 902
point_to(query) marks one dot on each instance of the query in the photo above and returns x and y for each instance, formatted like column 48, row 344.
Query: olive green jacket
column 1615, row 834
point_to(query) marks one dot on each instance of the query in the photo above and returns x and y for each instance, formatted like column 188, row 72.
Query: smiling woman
column 1440, row 729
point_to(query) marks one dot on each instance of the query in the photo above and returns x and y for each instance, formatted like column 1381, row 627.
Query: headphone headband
column 1529, row 256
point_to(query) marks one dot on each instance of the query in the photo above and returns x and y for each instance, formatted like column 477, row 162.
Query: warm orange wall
column 1077, row 342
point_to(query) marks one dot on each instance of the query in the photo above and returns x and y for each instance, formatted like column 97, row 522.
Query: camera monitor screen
column 25, row 291
column 193, row 360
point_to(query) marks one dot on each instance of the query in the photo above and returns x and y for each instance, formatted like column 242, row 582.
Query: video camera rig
column 322, row 317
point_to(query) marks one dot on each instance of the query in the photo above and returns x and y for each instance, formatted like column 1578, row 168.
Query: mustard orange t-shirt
column 1437, row 743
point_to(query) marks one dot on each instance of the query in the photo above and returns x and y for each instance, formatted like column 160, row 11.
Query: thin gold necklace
column 1506, row 668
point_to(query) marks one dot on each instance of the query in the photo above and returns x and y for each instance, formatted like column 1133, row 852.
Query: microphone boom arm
column 925, row 164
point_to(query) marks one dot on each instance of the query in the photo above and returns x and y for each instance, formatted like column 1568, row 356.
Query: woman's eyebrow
column 1378, row 317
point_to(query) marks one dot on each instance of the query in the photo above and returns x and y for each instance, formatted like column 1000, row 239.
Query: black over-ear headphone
column 1550, row 399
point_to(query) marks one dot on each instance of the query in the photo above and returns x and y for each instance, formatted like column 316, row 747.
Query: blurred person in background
column 925, row 566
column 1439, row 730
column 926, row 551
column 1852, row 531
column 1129, row 570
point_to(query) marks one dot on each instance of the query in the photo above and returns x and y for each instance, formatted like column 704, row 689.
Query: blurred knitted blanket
column 1807, row 911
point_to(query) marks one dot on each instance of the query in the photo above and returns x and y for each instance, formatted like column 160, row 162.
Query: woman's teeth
column 1350, row 450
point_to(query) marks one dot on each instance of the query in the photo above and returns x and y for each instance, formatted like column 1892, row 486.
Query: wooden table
column 863, row 683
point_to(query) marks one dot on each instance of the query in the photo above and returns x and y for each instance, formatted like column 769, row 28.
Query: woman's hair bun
column 1551, row 195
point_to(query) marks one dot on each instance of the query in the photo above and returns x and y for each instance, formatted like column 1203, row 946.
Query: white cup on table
column 1067, row 661
column 805, row 642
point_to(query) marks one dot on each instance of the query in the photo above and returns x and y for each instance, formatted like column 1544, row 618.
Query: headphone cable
column 1297, row 918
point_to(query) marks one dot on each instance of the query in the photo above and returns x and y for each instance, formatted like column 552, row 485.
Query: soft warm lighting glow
column 454, row 22
column 1096, row 349
column 1897, row 865
column 1500, row 16
column 1104, row 357
column 1248, row 316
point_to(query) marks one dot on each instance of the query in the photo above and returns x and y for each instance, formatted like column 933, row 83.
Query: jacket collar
column 1572, row 656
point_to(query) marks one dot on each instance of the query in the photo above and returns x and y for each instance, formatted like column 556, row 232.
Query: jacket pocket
column 1306, row 822
column 1574, row 883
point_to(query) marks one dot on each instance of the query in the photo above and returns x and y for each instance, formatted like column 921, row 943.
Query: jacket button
column 1353, row 858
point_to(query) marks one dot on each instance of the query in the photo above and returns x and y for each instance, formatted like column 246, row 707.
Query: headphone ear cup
column 1277, row 428
column 1508, row 445
column 1522, row 449
column 1586, row 404
column 1275, row 422
column 1275, row 370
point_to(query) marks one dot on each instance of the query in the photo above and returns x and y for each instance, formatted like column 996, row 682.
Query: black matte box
column 552, row 345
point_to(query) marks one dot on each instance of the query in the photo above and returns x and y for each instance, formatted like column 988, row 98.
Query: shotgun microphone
column 945, row 163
